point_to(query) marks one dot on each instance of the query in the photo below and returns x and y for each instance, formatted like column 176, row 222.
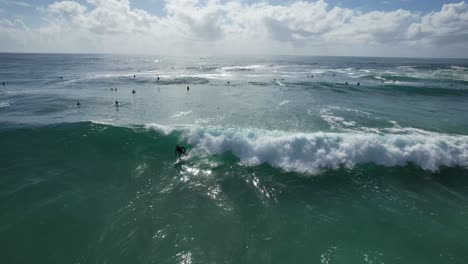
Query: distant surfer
column 346, row 83
column 228, row 82
column 358, row 84
column 116, row 103
column 134, row 76
column 158, row 78
column 78, row 104
column 112, row 89
column 61, row 77
column 4, row 83
column 133, row 92
column 179, row 151
column 188, row 88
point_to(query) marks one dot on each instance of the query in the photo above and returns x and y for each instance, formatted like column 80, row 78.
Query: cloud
column 448, row 26
column 215, row 26
column 15, row 3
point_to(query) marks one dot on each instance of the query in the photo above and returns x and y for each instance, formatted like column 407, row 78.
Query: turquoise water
column 283, row 167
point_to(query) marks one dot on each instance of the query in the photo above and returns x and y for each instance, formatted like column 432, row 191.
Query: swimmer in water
column 188, row 88
column 116, row 103
column 78, row 103
column 133, row 92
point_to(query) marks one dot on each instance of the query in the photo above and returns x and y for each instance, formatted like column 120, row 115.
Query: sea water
column 291, row 159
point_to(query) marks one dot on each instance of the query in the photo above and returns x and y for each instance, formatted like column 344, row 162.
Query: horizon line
column 226, row 55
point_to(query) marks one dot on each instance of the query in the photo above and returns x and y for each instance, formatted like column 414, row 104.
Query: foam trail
column 179, row 114
column 311, row 153
column 4, row 104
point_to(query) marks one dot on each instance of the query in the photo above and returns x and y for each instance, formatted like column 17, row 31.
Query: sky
column 387, row 28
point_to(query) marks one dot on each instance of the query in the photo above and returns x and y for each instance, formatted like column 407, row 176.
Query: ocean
column 291, row 159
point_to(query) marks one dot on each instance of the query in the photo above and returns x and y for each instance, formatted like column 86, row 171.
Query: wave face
column 311, row 153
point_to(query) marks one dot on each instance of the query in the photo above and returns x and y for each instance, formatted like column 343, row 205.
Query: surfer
column 116, row 103
column 228, row 82
column 134, row 75
column 4, row 83
column 188, row 88
column 133, row 92
column 78, row 103
column 180, row 151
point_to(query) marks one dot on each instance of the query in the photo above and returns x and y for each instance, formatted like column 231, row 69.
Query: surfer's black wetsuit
column 180, row 151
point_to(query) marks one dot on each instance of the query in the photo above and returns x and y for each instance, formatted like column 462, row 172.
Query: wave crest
column 311, row 153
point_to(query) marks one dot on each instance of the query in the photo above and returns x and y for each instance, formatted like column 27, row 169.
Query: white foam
column 243, row 68
column 316, row 151
column 285, row 102
column 165, row 130
column 179, row 114
column 460, row 68
column 280, row 83
column 4, row 104
column 103, row 122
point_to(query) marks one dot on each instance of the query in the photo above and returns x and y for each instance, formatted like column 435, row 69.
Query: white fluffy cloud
column 213, row 26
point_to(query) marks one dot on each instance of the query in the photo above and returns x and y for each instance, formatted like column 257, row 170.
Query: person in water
column 78, row 103
column 188, row 88
column 116, row 103
column 179, row 151
column 133, row 92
